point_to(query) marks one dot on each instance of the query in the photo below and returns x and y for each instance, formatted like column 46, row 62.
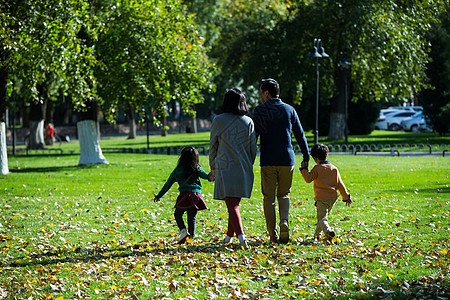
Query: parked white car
column 388, row 111
column 409, row 108
column 392, row 121
column 416, row 123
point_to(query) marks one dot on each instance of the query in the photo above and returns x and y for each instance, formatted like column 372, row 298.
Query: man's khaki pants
column 276, row 181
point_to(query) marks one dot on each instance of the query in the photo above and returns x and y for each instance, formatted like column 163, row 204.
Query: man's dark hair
column 234, row 102
column 319, row 151
column 272, row 86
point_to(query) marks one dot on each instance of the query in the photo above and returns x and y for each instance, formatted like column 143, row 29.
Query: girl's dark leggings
column 191, row 216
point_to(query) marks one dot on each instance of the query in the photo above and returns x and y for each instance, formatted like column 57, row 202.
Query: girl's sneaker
column 227, row 240
column 183, row 236
column 243, row 245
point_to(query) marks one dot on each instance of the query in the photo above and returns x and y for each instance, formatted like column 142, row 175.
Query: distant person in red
column 49, row 134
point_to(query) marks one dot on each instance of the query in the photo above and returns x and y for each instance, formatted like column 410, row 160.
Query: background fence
column 336, row 149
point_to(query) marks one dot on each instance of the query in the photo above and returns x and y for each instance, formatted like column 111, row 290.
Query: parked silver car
column 416, row 123
column 409, row 108
column 393, row 120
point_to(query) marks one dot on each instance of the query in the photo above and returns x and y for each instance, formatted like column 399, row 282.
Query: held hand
column 156, row 199
column 304, row 166
column 211, row 176
column 348, row 202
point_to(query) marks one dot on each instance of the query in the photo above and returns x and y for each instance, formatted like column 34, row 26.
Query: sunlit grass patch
column 69, row 231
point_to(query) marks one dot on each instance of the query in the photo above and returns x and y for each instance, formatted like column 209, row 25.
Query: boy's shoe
column 183, row 236
column 274, row 240
column 284, row 232
column 243, row 245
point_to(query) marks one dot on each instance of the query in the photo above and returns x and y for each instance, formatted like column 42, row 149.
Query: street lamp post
column 14, row 118
column 345, row 64
column 147, row 127
column 317, row 51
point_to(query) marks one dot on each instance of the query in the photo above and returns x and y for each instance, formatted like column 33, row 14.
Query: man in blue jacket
column 275, row 121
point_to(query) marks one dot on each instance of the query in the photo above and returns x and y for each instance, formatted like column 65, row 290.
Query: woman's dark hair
column 234, row 102
column 188, row 160
column 272, row 86
column 319, row 151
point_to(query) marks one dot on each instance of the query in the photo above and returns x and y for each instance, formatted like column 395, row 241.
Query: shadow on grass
column 423, row 287
column 154, row 144
column 75, row 167
column 101, row 253
column 144, row 248
column 53, row 169
column 439, row 190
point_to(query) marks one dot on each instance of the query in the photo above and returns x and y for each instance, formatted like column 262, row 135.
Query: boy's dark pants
column 191, row 216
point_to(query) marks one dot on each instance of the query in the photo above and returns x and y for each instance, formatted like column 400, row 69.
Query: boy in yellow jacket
column 327, row 182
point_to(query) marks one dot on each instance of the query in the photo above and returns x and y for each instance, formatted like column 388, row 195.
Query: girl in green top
column 187, row 174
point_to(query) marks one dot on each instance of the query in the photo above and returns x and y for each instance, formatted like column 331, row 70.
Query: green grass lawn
column 74, row 232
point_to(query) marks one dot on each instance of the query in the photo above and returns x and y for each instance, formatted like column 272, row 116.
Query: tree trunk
column 337, row 126
column 37, row 112
column 164, row 126
column 131, row 123
column 90, row 151
column 3, row 94
column 337, row 109
column 194, row 125
column 49, row 112
column 36, row 138
column 3, row 150
column 88, row 136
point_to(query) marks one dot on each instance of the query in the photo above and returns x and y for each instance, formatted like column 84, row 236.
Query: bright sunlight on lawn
column 73, row 232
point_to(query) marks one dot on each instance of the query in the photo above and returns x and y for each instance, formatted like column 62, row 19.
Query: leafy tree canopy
column 150, row 53
column 40, row 45
column 436, row 99
column 384, row 41
column 115, row 52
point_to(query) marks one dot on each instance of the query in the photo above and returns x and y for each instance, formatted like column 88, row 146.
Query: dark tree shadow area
column 51, row 169
column 426, row 287
column 440, row 190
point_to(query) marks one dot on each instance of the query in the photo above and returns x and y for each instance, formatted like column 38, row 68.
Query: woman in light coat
column 232, row 152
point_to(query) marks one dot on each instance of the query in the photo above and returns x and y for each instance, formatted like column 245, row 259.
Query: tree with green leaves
column 150, row 53
column 384, row 41
column 436, row 100
column 234, row 31
column 103, row 54
column 388, row 51
column 38, row 46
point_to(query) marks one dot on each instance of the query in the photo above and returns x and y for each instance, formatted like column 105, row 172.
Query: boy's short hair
column 319, row 151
